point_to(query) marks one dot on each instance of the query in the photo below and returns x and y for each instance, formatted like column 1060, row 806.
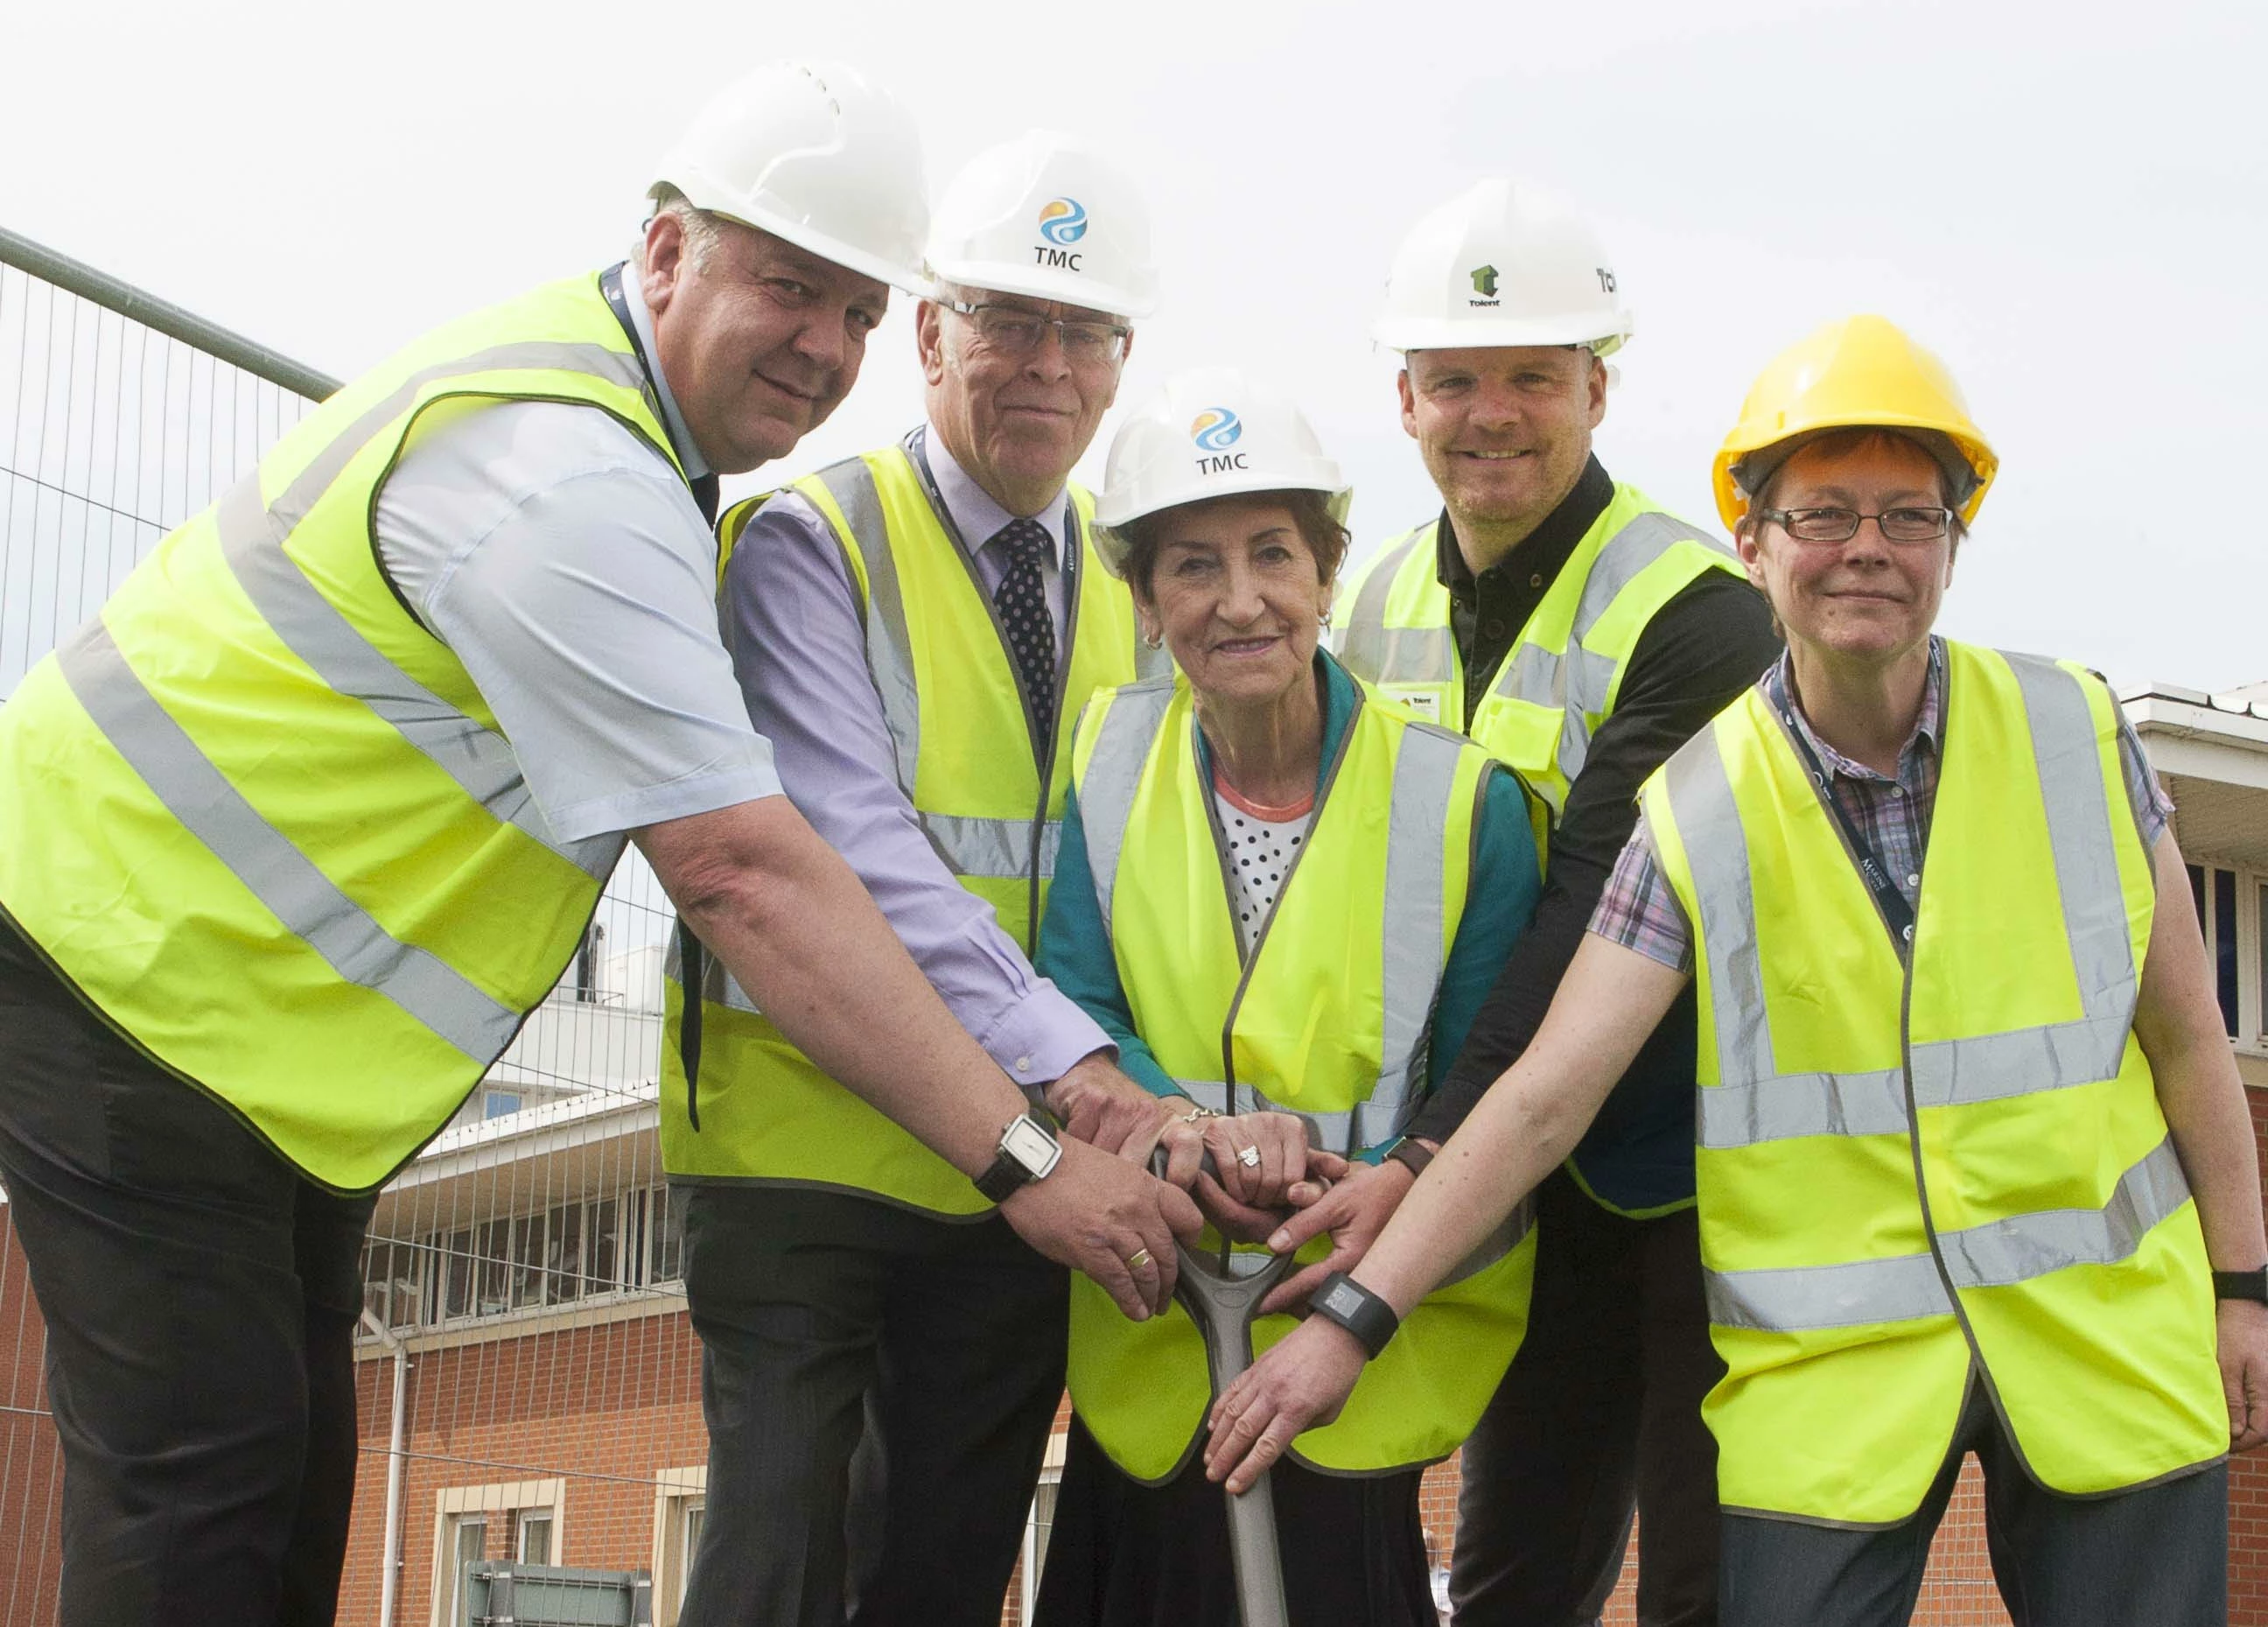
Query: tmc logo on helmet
column 1216, row 430
column 1062, row 220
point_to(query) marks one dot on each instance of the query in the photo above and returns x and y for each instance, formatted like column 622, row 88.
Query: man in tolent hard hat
column 914, row 630
column 303, row 824
column 1580, row 634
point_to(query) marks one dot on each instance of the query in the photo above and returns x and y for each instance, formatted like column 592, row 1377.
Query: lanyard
column 1898, row 913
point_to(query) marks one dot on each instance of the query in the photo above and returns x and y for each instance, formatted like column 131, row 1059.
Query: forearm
column 2203, row 1100
column 792, row 925
column 1526, row 1124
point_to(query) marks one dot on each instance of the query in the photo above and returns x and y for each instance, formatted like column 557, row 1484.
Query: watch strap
column 1412, row 1154
column 1354, row 1308
column 2242, row 1285
column 1007, row 1174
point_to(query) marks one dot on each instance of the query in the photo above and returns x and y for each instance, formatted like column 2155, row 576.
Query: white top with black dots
column 1260, row 855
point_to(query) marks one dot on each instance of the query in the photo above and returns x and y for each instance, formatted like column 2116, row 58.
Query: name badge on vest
column 1425, row 704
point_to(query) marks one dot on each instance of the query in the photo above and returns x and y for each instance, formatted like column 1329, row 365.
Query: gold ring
column 1250, row 1157
column 1139, row 1258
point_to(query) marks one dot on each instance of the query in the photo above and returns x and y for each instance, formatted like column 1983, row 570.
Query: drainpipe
column 390, row 1582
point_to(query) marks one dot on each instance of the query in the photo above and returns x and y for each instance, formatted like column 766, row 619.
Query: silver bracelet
column 1198, row 1111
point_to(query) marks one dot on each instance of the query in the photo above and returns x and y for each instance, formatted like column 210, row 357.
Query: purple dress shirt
column 792, row 622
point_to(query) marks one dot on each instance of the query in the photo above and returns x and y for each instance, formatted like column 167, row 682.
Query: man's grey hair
column 701, row 230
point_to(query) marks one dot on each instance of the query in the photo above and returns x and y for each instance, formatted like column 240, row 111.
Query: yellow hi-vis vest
column 1328, row 1018
column 1561, row 675
column 955, row 709
column 1912, row 1163
column 263, row 820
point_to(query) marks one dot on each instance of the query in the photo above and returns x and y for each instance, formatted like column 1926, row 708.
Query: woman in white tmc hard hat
column 1284, row 898
column 1974, row 1159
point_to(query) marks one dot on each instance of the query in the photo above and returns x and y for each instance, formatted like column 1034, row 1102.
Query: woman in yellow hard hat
column 1975, row 1164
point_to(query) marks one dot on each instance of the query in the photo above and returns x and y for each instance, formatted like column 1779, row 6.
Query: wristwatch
column 1354, row 1308
column 2242, row 1285
column 1028, row 1151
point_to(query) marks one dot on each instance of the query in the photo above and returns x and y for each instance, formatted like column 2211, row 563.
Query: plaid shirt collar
column 1778, row 683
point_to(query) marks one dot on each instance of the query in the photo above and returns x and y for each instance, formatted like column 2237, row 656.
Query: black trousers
column 200, row 1298
column 1600, row 1414
column 2154, row 1556
column 835, row 1326
column 1122, row 1554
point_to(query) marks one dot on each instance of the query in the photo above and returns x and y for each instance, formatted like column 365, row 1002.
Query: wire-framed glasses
column 1013, row 331
column 1909, row 526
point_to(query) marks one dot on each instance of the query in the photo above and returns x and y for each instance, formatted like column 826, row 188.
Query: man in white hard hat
column 914, row 630
column 303, row 824
column 1581, row 634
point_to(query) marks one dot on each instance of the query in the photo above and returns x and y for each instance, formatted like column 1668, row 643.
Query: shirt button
column 1914, row 879
column 1537, row 580
column 1897, row 791
column 1495, row 628
column 1023, row 1064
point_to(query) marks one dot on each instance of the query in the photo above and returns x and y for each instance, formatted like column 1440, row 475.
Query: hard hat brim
column 1061, row 287
column 1408, row 334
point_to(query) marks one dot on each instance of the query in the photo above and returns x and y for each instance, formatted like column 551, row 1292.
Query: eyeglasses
column 1908, row 526
column 1014, row 331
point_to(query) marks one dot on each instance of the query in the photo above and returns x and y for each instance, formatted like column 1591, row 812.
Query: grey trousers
column 2155, row 1556
column 835, row 1327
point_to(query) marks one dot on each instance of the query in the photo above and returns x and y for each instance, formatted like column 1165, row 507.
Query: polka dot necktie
column 1021, row 602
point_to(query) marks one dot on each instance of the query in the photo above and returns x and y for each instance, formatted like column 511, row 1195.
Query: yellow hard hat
column 1859, row 371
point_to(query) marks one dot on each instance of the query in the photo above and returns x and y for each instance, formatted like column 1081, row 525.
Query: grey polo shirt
column 563, row 562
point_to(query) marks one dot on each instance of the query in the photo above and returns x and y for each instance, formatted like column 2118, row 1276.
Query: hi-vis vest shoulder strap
column 1564, row 673
column 1328, row 1018
column 960, row 732
column 263, row 820
column 1913, row 1159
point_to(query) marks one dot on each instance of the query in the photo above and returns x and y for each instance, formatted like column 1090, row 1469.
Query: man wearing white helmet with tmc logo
column 1581, row 635
column 303, row 824
column 914, row 630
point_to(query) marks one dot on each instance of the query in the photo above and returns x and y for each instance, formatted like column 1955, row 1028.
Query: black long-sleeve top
column 1696, row 655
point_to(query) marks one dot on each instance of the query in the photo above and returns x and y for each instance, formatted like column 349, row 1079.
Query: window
column 496, row 1103
column 532, row 1536
column 1040, row 1523
column 527, row 1514
column 464, row 1543
column 668, row 1237
column 394, row 1283
column 680, row 1508
column 2260, row 939
column 2213, row 890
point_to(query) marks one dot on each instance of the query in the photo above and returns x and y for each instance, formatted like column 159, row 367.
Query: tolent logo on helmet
column 1063, row 221
column 1484, row 285
column 1215, row 430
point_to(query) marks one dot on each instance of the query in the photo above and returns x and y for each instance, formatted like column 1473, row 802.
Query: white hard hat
column 814, row 153
column 1047, row 216
column 1505, row 263
column 1208, row 432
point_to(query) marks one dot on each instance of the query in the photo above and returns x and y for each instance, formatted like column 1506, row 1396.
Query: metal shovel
column 1222, row 1293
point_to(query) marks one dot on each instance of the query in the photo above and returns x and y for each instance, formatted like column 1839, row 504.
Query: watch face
column 1031, row 1147
column 1343, row 1299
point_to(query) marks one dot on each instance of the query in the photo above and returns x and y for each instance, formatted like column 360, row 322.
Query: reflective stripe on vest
column 254, row 798
column 1912, row 1161
column 1307, row 1023
column 962, row 755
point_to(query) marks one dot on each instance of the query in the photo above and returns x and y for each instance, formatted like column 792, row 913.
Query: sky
column 2069, row 203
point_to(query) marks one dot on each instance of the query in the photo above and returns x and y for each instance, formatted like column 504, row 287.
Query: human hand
column 1101, row 1106
column 2243, row 1341
column 1302, row 1381
column 1099, row 1214
column 1354, row 1212
column 1259, row 1156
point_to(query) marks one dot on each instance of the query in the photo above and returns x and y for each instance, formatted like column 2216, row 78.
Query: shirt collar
column 1545, row 549
column 1778, row 681
column 680, row 436
column 974, row 513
